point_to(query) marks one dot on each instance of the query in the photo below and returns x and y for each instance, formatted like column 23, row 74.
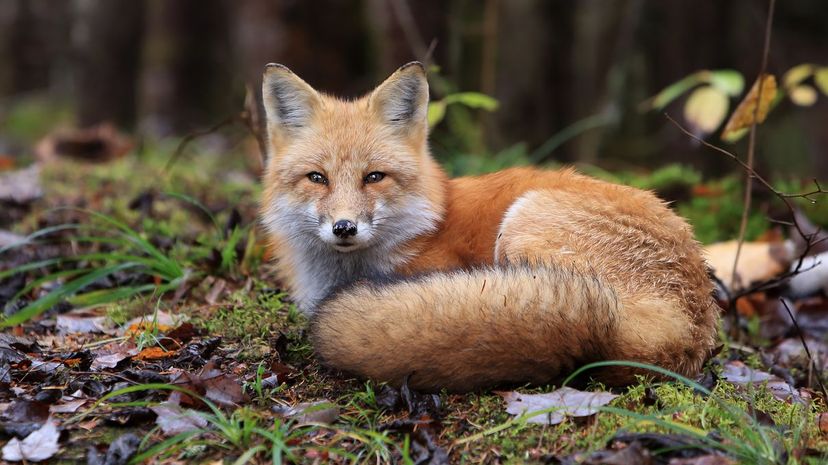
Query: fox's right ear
column 289, row 102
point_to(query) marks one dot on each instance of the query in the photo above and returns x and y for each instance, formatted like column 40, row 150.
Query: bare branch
column 752, row 141
column 811, row 362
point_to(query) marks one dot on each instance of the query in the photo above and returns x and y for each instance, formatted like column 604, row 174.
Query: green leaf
column 436, row 112
column 705, row 109
column 671, row 92
column 473, row 100
column 728, row 81
column 821, row 79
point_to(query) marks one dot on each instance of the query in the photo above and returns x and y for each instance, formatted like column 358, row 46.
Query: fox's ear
column 289, row 102
column 402, row 100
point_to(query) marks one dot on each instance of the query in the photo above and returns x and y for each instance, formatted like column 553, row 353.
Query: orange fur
column 517, row 276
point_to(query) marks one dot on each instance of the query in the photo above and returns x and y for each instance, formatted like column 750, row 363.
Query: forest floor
column 144, row 324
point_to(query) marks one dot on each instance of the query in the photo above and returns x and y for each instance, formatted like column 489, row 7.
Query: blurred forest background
column 165, row 68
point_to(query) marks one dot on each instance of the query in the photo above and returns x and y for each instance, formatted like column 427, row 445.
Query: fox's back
column 626, row 235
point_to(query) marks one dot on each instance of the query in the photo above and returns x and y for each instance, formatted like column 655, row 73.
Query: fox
column 514, row 277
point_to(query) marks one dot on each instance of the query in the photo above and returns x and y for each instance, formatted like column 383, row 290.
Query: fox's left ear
column 402, row 100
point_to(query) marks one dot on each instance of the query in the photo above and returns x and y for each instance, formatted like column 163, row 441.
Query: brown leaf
column 565, row 402
column 221, row 388
column 743, row 116
column 183, row 333
column 822, row 423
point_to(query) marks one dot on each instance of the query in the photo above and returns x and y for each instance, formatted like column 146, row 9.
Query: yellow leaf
column 821, row 79
column 705, row 109
column 803, row 95
column 743, row 117
column 797, row 74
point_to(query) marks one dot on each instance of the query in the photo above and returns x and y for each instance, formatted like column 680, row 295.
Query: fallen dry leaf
column 173, row 419
column 758, row 261
column 118, row 453
column 791, row 352
column 565, row 402
column 110, row 355
column 321, row 411
column 154, row 353
column 822, row 423
column 9, row 239
column 22, row 186
column 69, row 406
column 738, row 373
column 221, row 388
column 162, row 321
column 812, row 278
column 39, row 446
column 82, row 322
column 7, row 162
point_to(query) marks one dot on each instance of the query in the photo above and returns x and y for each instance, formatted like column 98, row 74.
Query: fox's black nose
column 344, row 228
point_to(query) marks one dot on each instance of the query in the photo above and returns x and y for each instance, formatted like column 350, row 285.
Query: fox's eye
column 373, row 177
column 317, row 178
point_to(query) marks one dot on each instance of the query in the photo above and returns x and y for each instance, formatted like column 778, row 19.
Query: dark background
column 163, row 68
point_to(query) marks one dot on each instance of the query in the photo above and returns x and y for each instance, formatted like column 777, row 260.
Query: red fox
column 460, row 284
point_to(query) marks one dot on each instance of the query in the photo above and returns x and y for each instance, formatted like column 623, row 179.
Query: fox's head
column 349, row 175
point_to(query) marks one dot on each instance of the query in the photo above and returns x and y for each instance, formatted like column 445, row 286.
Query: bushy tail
column 471, row 329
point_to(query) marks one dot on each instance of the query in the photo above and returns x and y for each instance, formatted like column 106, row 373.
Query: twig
column 784, row 197
column 810, row 239
column 249, row 117
column 752, row 142
column 814, row 367
column 185, row 141
column 412, row 34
